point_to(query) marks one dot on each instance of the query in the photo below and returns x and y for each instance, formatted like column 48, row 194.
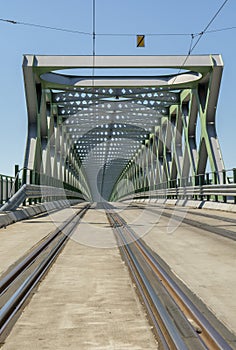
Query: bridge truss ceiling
column 108, row 135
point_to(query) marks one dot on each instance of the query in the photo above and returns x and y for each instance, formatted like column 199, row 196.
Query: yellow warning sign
column 140, row 40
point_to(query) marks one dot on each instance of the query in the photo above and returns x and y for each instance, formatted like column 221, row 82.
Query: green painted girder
column 63, row 109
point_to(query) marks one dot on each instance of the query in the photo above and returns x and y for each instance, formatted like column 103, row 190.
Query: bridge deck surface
column 17, row 239
column 204, row 261
column 87, row 300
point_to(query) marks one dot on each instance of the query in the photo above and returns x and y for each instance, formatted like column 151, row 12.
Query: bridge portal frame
column 169, row 153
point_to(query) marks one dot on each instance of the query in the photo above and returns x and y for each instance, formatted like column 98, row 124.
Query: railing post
column 6, row 181
column 208, row 183
column 201, row 183
column 215, row 183
column 36, row 178
column 174, row 187
column 224, row 182
column 37, row 182
column 168, row 186
column 11, row 186
column 234, row 179
column 24, row 179
column 24, row 176
column 17, row 182
column 176, row 190
column 196, row 183
column 1, row 189
column 178, row 186
column 31, row 182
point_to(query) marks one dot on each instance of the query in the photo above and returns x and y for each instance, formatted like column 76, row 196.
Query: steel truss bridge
column 106, row 128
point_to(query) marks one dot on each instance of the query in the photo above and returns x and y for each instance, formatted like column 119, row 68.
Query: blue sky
column 123, row 16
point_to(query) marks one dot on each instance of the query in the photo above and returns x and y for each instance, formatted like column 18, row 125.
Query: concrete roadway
column 87, row 300
column 204, row 261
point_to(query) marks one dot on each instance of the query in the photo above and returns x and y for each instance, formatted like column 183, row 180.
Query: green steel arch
column 110, row 132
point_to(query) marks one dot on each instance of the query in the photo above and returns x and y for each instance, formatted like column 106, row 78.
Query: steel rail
column 19, row 296
column 146, row 300
column 184, row 302
column 164, row 326
column 25, row 262
column 209, row 336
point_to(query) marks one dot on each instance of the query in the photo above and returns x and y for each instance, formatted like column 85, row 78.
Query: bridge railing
column 218, row 187
column 62, row 188
column 33, row 188
column 8, row 187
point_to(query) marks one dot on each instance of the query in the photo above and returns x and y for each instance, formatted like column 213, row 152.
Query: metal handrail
column 37, row 191
column 220, row 192
column 6, row 185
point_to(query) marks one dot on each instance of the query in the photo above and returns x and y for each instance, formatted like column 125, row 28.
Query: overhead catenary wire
column 219, row 30
column 94, row 28
column 208, row 25
column 41, row 26
column 79, row 32
column 73, row 31
column 193, row 46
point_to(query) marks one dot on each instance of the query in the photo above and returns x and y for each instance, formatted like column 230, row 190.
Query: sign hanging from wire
column 140, row 40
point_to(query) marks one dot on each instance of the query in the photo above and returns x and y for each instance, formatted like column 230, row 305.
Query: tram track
column 177, row 320
column 20, row 281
